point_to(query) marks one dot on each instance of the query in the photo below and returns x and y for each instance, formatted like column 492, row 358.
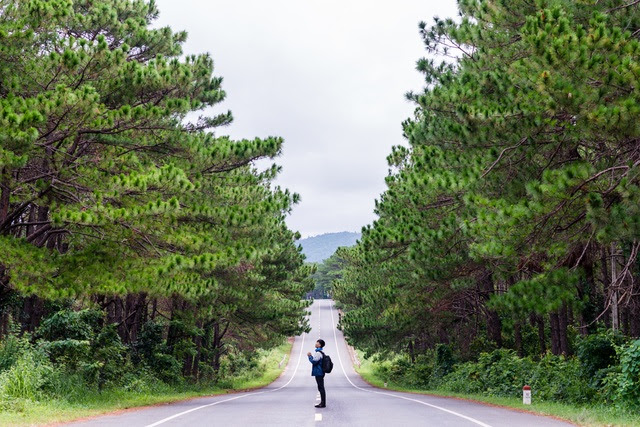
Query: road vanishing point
column 290, row 400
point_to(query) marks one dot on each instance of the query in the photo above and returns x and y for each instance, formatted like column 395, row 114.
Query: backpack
column 327, row 363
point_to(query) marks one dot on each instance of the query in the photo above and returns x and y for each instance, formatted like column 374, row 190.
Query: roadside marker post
column 526, row 395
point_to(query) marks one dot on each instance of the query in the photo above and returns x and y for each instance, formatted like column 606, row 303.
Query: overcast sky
column 328, row 76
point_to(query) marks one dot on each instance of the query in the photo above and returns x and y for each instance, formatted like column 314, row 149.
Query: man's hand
column 309, row 353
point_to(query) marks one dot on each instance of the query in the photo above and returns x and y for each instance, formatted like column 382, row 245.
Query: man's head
column 320, row 344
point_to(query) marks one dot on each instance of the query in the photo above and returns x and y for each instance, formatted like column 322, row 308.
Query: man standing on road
column 316, row 371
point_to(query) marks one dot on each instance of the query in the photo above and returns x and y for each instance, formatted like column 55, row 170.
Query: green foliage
column 151, row 350
column 70, row 324
column 317, row 249
column 444, row 362
column 622, row 386
column 28, row 378
column 117, row 188
column 78, row 341
column 597, row 353
column 510, row 218
column 401, row 371
column 499, row 373
column 237, row 365
column 67, row 335
column 108, row 363
column 326, row 273
column 45, row 392
column 11, row 349
column 629, row 380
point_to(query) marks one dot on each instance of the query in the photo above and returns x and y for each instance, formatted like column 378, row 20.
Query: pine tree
column 518, row 194
column 111, row 193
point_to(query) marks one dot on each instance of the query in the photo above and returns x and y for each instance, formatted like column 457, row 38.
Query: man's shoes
column 321, row 405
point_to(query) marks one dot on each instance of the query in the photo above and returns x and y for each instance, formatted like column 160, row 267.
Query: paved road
column 290, row 400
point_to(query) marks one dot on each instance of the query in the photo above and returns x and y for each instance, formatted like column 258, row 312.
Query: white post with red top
column 526, row 395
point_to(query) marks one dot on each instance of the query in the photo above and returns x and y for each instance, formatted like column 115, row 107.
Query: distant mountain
column 318, row 248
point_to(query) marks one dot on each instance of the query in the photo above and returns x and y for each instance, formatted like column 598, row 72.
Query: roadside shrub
column 235, row 367
column 68, row 324
column 238, row 363
column 630, row 372
column 141, row 381
column 420, row 374
column 152, row 351
column 108, row 362
column 398, row 369
column 596, row 353
column 402, row 371
column 444, row 360
column 465, row 378
column 503, row 373
column 67, row 336
column 622, row 385
column 499, row 373
column 77, row 341
column 559, row 379
column 11, row 349
column 28, row 377
column 69, row 352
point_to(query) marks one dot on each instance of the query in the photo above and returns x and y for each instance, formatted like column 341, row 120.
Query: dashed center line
column 318, row 417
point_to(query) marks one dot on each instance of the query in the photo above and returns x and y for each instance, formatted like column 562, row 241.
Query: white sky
column 328, row 76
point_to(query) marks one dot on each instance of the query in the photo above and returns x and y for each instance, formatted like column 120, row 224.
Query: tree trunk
column 542, row 341
column 118, row 315
column 494, row 325
column 172, row 334
column 555, row 335
column 613, row 291
column 154, row 309
column 563, row 323
column 517, row 336
column 32, row 313
column 5, row 295
column 606, row 280
column 587, row 290
column 195, row 371
column 5, row 192
column 216, row 347
column 634, row 318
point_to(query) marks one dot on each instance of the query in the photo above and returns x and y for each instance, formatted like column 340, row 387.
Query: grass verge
column 590, row 416
column 92, row 403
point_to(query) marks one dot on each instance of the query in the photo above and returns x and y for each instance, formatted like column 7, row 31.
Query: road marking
column 319, row 323
column 164, row 420
column 473, row 420
column 282, row 361
column 318, row 417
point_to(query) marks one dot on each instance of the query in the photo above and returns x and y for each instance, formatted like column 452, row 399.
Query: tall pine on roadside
column 113, row 195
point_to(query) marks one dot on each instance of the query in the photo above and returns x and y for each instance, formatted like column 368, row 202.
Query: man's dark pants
column 323, row 395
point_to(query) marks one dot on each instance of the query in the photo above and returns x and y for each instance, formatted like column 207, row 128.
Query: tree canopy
column 118, row 190
column 515, row 206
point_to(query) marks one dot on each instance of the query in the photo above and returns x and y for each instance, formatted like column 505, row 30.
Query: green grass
column 597, row 415
column 91, row 403
column 271, row 369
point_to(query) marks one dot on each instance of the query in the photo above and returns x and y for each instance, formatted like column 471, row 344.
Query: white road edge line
column 335, row 337
column 157, row 423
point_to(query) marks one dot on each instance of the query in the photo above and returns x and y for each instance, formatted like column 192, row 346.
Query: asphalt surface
column 290, row 400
